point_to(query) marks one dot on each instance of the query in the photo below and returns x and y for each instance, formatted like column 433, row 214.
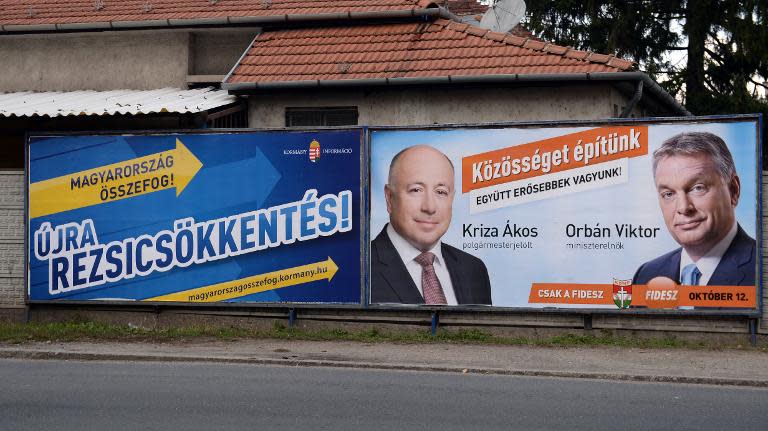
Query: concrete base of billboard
column 712, row 330
column 13, row 315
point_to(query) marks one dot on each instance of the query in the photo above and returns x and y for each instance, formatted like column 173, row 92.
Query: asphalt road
column 70, row 395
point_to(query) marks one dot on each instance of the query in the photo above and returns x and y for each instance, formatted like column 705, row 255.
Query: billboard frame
column 362, row 166
column 752, row 313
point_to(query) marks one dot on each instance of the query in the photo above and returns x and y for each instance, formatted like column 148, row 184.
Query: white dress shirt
column 408, row 253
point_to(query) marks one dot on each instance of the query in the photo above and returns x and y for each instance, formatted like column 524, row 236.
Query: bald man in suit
column 409, row 262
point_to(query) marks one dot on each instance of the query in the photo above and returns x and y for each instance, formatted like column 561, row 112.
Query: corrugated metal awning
column 114, row 102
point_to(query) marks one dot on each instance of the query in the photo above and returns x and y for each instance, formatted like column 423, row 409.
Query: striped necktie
column 430, row 285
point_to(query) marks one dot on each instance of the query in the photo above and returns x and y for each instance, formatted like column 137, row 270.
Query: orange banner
column 656, row 295
column 551, row 155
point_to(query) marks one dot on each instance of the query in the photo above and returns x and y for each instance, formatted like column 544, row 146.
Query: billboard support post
column 291, row 317
column 588, row 322
column 753, row 332
column 435, row 322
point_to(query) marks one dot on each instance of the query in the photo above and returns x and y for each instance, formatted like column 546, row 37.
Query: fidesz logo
column 314, row 151
column 622, row 293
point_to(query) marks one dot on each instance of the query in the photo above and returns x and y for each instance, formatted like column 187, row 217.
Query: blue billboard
column 268, row 216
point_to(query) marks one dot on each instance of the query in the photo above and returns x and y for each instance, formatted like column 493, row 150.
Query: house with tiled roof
column 166, row 64
column 438, row 71
column 384, row 61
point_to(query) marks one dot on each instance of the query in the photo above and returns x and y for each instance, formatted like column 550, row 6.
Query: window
column 308, row 117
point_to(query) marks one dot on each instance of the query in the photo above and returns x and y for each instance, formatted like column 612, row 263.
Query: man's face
column 420, row 196
column 697, row 203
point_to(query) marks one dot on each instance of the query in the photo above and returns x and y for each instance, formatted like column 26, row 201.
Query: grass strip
column 98, row 331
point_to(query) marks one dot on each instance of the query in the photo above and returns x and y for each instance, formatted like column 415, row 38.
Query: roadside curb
column 85, row 356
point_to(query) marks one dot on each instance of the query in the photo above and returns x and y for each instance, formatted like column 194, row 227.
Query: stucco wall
column 411, row 106
column 11, row 239
column 216, row 52
column 94, row 61
column 619, row 101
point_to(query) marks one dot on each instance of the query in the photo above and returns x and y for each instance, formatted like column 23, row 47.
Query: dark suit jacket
column 391, row 282
column 736, row 268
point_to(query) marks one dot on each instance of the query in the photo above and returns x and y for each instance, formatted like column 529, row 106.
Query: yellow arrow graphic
column 256, row 283
column 135, row 177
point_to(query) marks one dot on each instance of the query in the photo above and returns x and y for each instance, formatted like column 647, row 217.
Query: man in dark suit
column 698, row 192
column 409, row 262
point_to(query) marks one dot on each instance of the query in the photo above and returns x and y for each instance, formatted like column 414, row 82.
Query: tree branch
column 761, row 84
column 721, row 44
column 715, row 56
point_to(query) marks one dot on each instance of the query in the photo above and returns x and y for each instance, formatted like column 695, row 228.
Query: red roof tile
column 32, row 12
column 441, row 48
column 579, row 55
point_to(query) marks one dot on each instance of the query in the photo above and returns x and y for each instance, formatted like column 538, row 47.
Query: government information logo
column 622, row 293
column 314, row 151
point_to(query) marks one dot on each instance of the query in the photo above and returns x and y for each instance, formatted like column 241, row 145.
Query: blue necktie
column 690, row 275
